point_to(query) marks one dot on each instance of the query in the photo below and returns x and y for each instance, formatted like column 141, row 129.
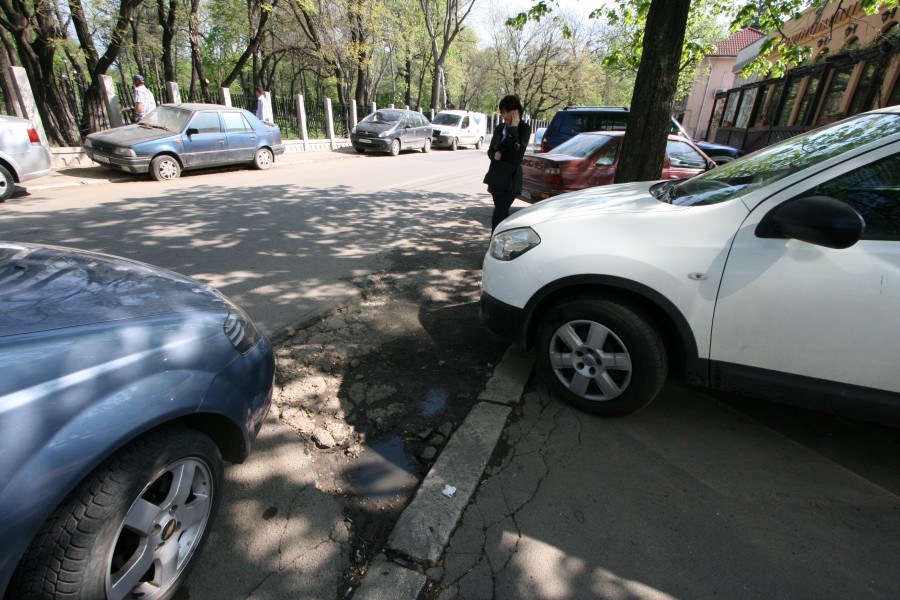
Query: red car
column 590, row 159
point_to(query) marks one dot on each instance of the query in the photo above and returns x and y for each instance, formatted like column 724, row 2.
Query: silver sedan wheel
column 161, row 531
column 591, row 361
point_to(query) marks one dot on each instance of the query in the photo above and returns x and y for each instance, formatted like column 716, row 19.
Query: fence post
column 353, row 115
column 111, row 100
column 432, row 115
column 24, row 104
column 329, row 122
column 225, row 94
column 301, row 114
column 172, row 92
column 374, row 108
column 391, row 105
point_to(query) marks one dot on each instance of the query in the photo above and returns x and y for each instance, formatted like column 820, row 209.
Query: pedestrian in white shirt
column 263, row 107
column 143, row 99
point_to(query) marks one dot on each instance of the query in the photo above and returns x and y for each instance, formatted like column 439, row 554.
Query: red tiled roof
column 737, row 42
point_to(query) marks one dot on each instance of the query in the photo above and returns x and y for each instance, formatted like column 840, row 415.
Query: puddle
column 383, row 470
column 435, row 401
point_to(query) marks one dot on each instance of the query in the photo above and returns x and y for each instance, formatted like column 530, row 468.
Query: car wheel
column 426, row 147
column 721, row 160
column 601, row 356
column 454, row 144
column 395, row 147
column 263, row 159
column 360, row 150
column 164, row 167
column 7, row 184
column 479, row 143
column 133, row 527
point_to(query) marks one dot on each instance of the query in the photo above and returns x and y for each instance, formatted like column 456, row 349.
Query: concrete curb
column 425, row 526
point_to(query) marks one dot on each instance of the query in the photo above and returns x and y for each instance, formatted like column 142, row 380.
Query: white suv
column 777, row 274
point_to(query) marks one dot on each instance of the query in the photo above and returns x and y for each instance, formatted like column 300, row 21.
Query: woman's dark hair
column 511, row 103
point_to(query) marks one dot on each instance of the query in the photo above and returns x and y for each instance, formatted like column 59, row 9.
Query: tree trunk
column 168, row 22
column 196, row 58
column 36, row 36
column 644, row 146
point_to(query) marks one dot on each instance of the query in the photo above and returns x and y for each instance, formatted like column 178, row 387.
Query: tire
column 164, row 167
column 454, row 144
column 479, row 143
column 7, row 184
column 127, row 531
column 360, row 150
column 601, row 356
column 395, row 148
column 721, row 160
column 263, row 159
column 426, row 147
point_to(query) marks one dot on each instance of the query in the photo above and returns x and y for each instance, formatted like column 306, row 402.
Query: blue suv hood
column 45, row 287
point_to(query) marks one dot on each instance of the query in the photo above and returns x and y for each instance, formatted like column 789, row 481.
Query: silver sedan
column 22, row 156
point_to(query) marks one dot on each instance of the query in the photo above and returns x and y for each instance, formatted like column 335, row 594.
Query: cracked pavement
column 687, row 499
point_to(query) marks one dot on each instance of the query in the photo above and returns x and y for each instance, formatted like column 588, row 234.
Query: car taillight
column 33, row 136
column 545, row 145
column 553, row 175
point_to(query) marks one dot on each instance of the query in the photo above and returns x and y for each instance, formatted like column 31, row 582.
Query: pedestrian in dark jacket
column 508, row 144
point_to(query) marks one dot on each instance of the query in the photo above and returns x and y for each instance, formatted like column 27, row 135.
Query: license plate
column 365, row 141
column 526, row 194
column 101, row 159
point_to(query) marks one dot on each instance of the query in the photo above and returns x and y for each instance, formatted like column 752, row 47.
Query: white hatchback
column 777, row 274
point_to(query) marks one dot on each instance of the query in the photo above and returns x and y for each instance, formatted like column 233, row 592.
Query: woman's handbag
column 500, row 175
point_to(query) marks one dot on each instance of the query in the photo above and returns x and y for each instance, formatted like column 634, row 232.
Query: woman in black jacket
column 508, row 144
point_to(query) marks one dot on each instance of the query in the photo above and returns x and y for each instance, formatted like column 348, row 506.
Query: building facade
column 854, row 68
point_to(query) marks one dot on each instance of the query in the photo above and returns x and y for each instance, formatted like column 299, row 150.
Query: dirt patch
column 377, row 387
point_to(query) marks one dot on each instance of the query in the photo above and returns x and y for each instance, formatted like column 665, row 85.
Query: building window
column 840, row 79
column 731, row 109
column 743, row 117
column 862, row 100
column 807, row 103
column 789, row 100
column 764, row 113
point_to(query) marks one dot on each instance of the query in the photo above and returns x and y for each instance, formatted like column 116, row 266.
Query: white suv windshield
column 776, row 162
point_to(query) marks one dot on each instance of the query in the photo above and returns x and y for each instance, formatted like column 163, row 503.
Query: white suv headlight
column 512, row 244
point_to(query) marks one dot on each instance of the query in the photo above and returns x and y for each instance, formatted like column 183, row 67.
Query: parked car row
column 393, row 130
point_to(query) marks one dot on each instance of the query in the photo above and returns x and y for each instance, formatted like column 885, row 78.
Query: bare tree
column 443, row 20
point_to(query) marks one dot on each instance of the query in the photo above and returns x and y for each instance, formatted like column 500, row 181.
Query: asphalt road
column 282, row 243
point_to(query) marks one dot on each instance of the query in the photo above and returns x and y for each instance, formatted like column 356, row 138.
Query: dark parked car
column 590, row 159
column 22, row 156
column 572, row 120
column 123, row 389
column 175, row 137
column 392, row 130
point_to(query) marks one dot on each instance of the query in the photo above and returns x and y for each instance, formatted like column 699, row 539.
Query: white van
column 452, row 128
